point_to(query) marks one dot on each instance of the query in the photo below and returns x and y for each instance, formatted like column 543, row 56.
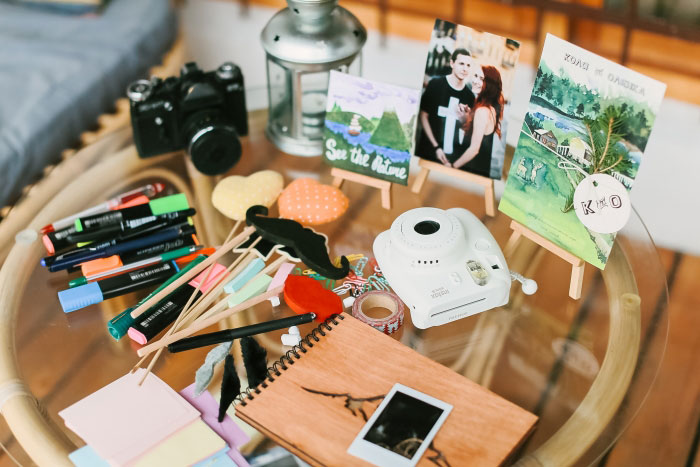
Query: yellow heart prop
column 233, row 195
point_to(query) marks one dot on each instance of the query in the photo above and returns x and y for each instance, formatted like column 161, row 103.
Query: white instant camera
column 445, row 265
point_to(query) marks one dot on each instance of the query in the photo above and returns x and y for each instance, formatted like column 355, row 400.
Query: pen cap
column 80, row 297
column 169, row 204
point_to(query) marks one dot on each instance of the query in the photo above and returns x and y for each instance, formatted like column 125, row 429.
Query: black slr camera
column 203, row 113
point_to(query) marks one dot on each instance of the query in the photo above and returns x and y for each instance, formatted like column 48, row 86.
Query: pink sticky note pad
column 218, row 269
column 123, row 420
column 228, row 430
column 284, row 270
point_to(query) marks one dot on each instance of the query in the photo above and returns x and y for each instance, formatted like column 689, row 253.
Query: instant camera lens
column 213, row 143
column 426, row 227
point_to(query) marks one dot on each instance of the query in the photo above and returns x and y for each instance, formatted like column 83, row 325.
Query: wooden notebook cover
column 356, row 360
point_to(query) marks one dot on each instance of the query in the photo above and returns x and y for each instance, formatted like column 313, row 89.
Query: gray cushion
column 58, row 73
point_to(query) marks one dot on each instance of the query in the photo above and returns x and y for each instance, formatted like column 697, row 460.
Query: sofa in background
column 59, row 72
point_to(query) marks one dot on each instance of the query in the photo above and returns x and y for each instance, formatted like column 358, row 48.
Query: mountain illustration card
column 370, row 127
column 587, row 116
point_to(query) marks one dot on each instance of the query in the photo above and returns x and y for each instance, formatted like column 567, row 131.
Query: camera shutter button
column 482, row 245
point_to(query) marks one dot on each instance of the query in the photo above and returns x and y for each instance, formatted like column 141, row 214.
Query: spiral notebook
column 314, row 406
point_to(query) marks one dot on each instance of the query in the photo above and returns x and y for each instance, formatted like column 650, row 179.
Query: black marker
column 95, row 292
column 131, row 228
column 158, row 317
column 117, row 247
column 153, row 208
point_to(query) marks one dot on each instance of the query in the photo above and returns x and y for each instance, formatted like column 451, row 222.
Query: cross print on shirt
column 450, row 114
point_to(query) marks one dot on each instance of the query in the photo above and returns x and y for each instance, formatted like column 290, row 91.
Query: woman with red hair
column 482, row 122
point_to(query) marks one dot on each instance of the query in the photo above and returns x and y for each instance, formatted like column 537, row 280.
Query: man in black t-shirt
column 443, row 108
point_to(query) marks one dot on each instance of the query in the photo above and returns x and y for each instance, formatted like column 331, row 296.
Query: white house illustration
column 578, row 150
column 547, row 138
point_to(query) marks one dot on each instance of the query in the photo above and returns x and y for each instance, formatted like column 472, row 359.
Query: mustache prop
column 309, row 246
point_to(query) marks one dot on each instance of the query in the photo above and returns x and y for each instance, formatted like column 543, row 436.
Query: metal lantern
column 303, row 43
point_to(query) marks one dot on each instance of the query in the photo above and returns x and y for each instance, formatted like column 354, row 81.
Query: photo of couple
column 467, row 83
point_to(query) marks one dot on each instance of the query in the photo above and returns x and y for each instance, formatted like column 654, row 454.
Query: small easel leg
column 420, row 180
column 576, row 280
column 512, row 243
column 338, row 182
column 490, row 199
column 386, row 197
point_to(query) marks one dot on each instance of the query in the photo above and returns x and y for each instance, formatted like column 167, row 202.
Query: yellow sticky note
column 187, row 446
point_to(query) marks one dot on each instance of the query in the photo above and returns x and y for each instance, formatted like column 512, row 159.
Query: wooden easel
column 487, row 183
column 340, row 175
column 577, row 264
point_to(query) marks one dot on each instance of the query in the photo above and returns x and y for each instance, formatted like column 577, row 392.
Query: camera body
column 444, row 264
column 203, row 113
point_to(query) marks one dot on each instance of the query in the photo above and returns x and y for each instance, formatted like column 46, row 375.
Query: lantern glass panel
column 280, row 84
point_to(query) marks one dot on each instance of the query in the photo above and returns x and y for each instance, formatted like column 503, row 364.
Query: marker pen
column 153, row 208
column 165, row 257
column 120, row 324
column 149, row 191
column 96, row 292
column 165, row 312
column 116, row 247
column 59, row 239
column 131, row 228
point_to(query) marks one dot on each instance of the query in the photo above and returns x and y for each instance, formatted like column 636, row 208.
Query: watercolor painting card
column 466, row 93
column 370, row 127
column 587, row 115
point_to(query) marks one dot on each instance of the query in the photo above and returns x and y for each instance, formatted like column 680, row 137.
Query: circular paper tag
column 602, row 203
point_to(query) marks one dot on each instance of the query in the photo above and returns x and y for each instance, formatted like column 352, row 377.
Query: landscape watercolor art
column 587, row 115
column 370, row 127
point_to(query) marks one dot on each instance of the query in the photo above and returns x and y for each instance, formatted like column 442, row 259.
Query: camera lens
column 426, row 227
column 213, row 143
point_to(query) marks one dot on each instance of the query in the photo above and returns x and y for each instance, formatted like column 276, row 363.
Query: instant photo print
column 401, row 429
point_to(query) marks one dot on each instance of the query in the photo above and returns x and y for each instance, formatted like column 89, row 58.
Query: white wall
column 666, row 194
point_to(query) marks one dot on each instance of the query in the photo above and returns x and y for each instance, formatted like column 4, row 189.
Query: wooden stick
column 184, row 311
column 269, row 269
column 208, row 322
column 230, row 245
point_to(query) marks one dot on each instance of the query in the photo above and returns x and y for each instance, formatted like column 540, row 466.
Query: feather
column 255, row 361
column 206, row 372
column 230, row 386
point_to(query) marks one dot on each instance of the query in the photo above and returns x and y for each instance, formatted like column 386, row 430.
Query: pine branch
column 619, row 159
column 607, row 140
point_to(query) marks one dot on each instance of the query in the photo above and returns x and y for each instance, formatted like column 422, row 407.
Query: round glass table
column 584, row 367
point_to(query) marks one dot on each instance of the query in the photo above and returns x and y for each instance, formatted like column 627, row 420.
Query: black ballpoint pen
column 218, row 337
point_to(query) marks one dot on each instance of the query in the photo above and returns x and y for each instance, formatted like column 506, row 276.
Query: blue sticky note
column 244, row 276
column 218, row 459
column 87, row 457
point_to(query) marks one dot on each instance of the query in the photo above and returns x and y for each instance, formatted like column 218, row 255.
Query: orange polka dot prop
column 311, row 203
column 233, row 195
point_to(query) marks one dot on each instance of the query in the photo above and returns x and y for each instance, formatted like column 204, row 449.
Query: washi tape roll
column 379, row 299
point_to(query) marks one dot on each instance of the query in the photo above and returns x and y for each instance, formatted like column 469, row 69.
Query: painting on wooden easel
column 369, row 132
column 466, row 90
column 587, row 117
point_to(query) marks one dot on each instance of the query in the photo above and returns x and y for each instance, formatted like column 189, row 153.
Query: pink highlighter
column 165, row 312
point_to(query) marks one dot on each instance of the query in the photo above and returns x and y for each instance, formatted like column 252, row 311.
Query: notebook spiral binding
column 291, row 356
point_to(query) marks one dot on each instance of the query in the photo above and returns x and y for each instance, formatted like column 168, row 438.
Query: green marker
column 170, row 255
column 135, row 215
column 120, row 324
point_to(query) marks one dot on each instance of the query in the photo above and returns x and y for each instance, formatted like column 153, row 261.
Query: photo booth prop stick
column 577, row 264
column 485, row 182
column 340, row 175
column 228, row 246
column 310, row 246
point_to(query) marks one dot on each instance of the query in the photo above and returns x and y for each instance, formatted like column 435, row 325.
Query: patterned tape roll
column 379, row 299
